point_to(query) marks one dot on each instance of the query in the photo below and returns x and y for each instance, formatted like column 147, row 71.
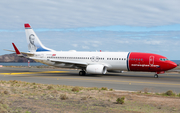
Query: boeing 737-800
column 94, row 62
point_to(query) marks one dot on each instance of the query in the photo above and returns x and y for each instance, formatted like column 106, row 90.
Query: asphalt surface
column 131, row 81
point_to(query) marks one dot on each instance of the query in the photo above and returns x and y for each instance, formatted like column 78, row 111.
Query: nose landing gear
column 156, row 76
column 160, row 72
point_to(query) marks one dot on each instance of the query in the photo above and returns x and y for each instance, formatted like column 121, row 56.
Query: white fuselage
column 113, row 60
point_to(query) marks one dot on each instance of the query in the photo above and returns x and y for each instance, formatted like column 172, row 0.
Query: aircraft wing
column 62, row 61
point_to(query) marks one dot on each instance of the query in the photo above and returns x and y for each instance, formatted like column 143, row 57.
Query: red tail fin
column 16, row 49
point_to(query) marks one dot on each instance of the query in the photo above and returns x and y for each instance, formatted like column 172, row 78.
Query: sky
column 93, row 25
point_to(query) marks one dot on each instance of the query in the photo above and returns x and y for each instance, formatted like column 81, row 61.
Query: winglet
column 16, row 49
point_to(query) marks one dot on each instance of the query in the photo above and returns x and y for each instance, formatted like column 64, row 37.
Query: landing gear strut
column 156, row 76
column 82, row 73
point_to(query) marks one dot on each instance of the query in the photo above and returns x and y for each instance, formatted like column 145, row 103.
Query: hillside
column 13, row 58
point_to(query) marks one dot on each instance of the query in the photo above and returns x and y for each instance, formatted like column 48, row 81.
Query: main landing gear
column 156, row 76
column 82, row 73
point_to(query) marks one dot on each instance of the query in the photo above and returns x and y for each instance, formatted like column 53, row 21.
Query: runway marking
column 24, row 73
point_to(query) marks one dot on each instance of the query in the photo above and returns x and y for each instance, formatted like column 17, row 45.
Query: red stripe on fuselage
column 149, row 62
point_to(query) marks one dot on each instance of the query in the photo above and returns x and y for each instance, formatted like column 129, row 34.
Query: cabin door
column 151, row 60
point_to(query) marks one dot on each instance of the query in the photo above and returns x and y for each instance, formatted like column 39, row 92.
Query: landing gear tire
column 82, row 73
column 156, row 76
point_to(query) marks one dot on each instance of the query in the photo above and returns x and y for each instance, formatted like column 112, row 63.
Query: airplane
column 94, row 62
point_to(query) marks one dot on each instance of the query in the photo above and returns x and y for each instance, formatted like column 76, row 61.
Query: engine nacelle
column 96, row 69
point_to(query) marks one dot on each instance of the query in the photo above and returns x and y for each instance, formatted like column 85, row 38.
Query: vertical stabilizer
column 34, row 44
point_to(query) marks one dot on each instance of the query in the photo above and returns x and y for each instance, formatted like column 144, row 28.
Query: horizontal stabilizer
column 20, row 54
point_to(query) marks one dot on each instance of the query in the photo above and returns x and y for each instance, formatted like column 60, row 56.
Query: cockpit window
column 163, row 59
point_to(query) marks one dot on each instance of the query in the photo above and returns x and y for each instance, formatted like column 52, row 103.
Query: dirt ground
column 24, row 97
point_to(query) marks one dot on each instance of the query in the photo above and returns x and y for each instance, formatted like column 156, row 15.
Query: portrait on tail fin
column 32, row 46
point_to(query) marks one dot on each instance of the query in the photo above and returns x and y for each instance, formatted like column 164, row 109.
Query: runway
column 131, row 81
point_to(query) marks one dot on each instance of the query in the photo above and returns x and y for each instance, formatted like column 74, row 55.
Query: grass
column 19, row 96
column 168, row 93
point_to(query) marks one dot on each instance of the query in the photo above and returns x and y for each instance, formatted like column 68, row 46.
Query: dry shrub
column 15, row 81
column 120, row 100
column 63, row 97
column 178, row 95
column 76, row 89
column 34, row 87
column 169, row 93
column 50, row 87
column 6, row 92
column 92, row 88
column 33, row 83
column 104, row 88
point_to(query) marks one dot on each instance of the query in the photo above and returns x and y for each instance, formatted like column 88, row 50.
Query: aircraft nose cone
column 172, row 65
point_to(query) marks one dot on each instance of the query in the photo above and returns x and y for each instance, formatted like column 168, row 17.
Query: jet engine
column 96, row 69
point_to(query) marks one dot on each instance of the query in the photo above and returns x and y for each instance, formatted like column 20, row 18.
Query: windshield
column 163, row 59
